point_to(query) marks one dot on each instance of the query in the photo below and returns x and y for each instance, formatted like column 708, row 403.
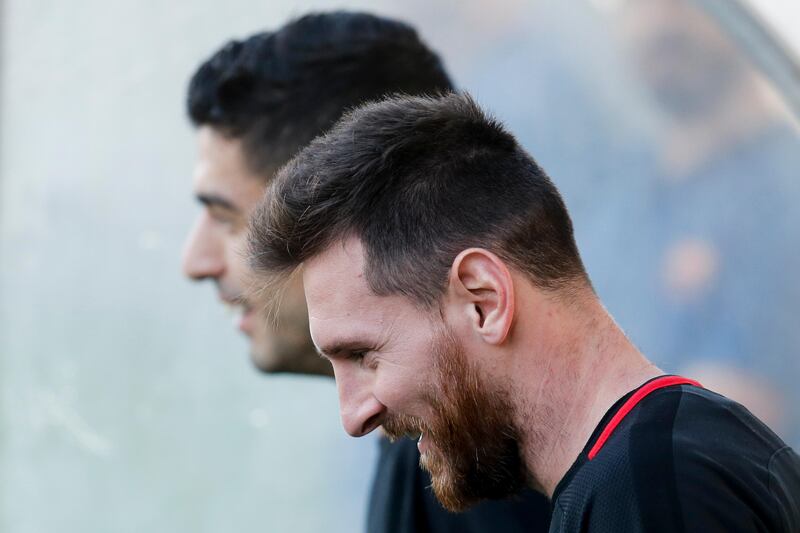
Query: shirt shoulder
column 684, row 459
column 730, row 468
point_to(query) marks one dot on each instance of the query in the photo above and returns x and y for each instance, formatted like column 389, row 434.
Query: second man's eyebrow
column 211, row 200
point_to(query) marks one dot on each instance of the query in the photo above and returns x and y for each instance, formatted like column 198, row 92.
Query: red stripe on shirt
column 639, row 395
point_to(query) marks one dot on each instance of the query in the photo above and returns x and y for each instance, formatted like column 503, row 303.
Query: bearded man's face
column 397, row 365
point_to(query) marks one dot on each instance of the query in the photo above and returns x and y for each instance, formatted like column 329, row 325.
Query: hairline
column 265, row 173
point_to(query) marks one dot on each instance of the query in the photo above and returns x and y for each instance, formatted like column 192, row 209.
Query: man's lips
column 406, row 426
column 243, row 315
column 247, row 321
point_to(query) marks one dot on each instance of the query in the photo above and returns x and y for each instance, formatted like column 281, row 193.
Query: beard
column 474, row 451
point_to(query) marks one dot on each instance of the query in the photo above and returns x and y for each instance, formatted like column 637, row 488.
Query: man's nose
column 361, row 412
column 202, row 253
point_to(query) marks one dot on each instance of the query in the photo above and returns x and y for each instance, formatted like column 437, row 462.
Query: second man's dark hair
column 278, row 90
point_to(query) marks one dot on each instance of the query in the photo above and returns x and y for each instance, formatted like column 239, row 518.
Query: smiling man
column 255, row 103
column 444, row 285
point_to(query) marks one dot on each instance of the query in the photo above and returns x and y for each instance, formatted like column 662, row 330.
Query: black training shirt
column 674, row 458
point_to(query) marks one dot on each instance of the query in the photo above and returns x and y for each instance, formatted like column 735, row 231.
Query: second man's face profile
column 216, row 249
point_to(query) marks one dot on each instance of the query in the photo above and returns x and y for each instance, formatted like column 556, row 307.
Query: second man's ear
column 481, row 286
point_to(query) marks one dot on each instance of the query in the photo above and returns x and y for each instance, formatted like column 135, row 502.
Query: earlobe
column 483, row 288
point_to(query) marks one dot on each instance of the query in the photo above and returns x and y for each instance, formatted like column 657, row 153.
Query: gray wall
column 128, row 401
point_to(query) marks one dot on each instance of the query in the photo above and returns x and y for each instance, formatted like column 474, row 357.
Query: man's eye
column 362, row 357
column 357, row 355
column 222, row 215
column 223, row 218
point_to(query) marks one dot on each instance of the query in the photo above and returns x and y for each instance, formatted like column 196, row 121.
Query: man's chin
column 264, row 364
column 445, row 484
column 288, row 359
column 264, row 357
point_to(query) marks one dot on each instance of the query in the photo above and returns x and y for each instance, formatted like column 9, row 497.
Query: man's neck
column 588, row 366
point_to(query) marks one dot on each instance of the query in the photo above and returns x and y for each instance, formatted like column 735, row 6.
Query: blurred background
column 127, row 404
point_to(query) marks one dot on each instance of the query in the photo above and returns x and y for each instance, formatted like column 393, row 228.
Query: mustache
column 399, row 426
column 230, row 294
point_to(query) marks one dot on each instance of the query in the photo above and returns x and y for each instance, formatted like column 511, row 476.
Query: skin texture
column 544, row 367
column 215, row 250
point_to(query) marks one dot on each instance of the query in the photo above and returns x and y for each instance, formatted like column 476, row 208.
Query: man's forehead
column 344, row 312
column 335, row 277
column 220, row 169
column 338, row 297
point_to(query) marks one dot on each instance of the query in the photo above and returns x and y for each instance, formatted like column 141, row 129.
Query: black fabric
column 683, row 460
column 403, row 502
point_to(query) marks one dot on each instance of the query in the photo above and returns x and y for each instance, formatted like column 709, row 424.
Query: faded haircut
column 417, row 180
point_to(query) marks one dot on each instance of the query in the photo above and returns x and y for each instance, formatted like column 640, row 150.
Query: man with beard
column 255, row 103
column 444, row 285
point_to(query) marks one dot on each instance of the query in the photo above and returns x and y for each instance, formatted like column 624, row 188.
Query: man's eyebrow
column 211, row 200
column 338, row 347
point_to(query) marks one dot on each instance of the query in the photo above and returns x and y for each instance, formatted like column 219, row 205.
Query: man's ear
column 481, row 286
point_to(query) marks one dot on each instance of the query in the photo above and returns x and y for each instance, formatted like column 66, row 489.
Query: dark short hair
column 417, row 180
column 278, row 90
